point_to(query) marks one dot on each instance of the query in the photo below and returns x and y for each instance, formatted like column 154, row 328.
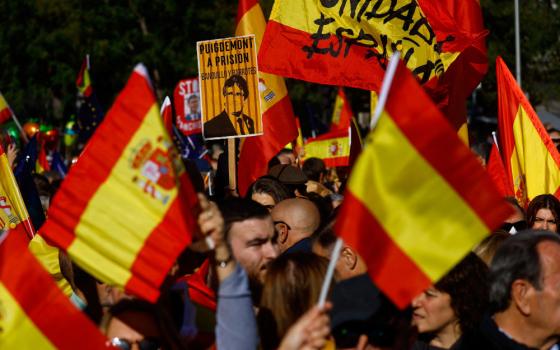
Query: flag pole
column 330, row 271
column 232, row 165
column 517, row 45
column 385, row 87
column 16, row 120
column 495, row 140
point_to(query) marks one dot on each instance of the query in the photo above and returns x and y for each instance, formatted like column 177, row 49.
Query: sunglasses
column 519, row 225
column 144, row 344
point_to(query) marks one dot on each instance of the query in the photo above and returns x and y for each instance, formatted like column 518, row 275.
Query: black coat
column 221, row 126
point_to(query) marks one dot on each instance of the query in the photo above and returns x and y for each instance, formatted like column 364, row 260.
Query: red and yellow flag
column 127, row 208
column 342, row 112
column 423, row 197
column 34, row 313
column 279, row 123
column 348, row 43
column 497, row 172
column 167, row 115
column 333, row 148
column 5, row 111
column 83, row 81
column 13, row 213
column 531, row 160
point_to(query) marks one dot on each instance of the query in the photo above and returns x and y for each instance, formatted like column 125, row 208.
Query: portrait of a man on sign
column 232, row 120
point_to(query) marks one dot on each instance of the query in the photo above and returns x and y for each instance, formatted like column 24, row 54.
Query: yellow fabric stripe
column 337, row 147
column 121, row 199
column 48, row 257
column 17, row 331
column 3, row 103
column 253, row 22
column 463, row 133
column 412, row 202
column 532, row 159
column 12, row 196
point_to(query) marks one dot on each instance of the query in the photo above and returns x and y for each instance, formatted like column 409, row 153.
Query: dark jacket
column 221, row 126
column 489, row 337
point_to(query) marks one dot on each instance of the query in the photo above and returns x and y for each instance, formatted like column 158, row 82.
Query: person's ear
column 522, row 294
column 282, row 233
column 349, row 258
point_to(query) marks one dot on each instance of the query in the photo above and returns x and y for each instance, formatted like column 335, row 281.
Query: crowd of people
column 254, row 279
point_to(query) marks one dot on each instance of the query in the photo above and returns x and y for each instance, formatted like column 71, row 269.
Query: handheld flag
column 349, row 43
column 333, row 148
column 417, row 200
column 531, row 160
column 126, row 209
column 13, row 213
column 497, row 172
column 279, row 123
column 90, row 113
column 5, row 111
column 34, row 313
column 167, row 115
column 342, row 112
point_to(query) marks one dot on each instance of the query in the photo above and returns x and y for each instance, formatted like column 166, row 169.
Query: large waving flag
column 423, row 197
column 5, row 111
column 126, row 210
column 348, row 43
column 34, row 313
column 279, row 123
column 531, row 160
column 13, row 213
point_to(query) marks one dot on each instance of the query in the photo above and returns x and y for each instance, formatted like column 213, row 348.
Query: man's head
column 192, row 101
column 295, row 219
column 250, row 233
column 315, row 169
column 286, row 156
column 236, row 93
column 525, row 286
column 349, row 265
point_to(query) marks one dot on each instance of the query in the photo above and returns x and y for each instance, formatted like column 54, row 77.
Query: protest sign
column 186, row 99
column 229, row 91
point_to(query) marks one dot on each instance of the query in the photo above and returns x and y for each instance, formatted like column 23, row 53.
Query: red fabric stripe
column 436, row 141
column 388, row 266
column 5, row 115
column 98, row 159
column 330, row 135
column 244, row 7
column 165, row 243
column 279, row 129
column 279, row 42
column 338, row 161
column 44, row 304
column 497, row 172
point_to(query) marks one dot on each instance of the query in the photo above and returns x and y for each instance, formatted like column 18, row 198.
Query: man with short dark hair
column 524, row 295
column 231, row 121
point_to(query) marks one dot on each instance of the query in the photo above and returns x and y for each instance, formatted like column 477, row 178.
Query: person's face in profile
column 193, row 104
column 234, row 100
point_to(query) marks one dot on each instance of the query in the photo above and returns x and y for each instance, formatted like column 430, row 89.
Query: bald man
column 295, row 219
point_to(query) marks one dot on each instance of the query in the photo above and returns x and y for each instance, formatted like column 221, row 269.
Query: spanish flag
column 34, row 313
column 497, row 172
column 348, row 43
column 13, row 213
column 127, row 208
column 332, row 147
column 417, row 200
column 5, row 111
column 531, row 160
column 342, row 112
column 279, row 122
column 83, row 81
